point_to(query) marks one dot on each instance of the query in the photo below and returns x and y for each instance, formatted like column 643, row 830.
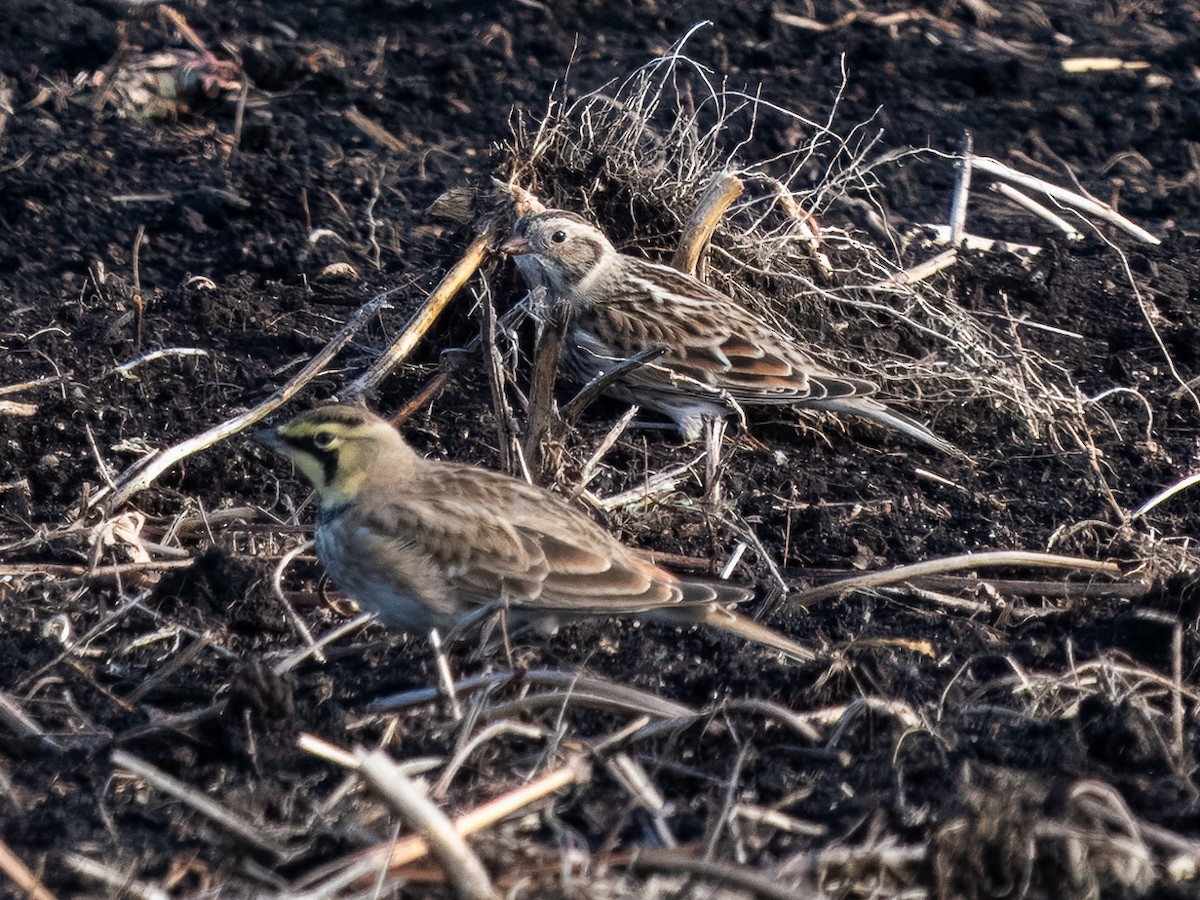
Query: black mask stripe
column 326, row 457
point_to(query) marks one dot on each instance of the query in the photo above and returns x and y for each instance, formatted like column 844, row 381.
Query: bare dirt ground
column 167, row 262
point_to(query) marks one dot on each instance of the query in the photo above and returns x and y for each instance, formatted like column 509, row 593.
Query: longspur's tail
column 885, row 415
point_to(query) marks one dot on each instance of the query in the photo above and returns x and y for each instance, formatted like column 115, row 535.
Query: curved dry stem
column 145, row 471
column 994, row 559
column 614, row 695
column 1166, row 494
column 461, row 865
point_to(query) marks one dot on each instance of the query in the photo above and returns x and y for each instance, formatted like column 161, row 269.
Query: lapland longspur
column 718, row 354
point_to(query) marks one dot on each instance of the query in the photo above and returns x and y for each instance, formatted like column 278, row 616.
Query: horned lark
column 423, row 543
column 718, row 354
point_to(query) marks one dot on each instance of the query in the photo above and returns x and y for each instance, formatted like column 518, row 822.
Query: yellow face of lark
column 330, row 446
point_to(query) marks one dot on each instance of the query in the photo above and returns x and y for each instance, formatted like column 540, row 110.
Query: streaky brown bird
column 423, row 543
column 719, row 355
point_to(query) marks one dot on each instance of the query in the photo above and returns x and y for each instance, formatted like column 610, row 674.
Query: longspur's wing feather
column 714, row 345
column 718, row 355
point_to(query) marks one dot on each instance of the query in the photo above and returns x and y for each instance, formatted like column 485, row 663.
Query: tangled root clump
column 639, row 155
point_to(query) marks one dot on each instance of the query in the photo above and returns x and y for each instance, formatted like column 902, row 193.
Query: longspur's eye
column 558, row 237
column 323, row 440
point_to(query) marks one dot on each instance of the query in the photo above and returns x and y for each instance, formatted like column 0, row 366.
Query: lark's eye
column 323, row 440
column 558, row 237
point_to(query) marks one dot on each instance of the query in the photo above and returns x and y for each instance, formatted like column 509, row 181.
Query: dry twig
column 1070, row 198
column 994, row 559
column 723, row 188
column 759, row 884
column 117, row 879
column 586, row 689
column 444, row 841
column 236, row 823
column 541, row 417
column 390, row 856
column 145, row 471
column 423, row 320
column 20, row 875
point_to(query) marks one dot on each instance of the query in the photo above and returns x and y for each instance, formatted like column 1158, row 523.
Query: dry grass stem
column 374, row 131
column 499, row 377
column 654, row 486
column 30, row 385
column 310, row 743
column 20, row 875
column 777, row 821
column 1127, row 588
column 731, row 875
column 1087, row 205
column 172, row 17
column 1177, row 705
column 1167, row 493
column 117, row 879
column 486, row 734
column 588, row 471
column 423, row 320
column 598, row 385
column 824, row 866
column 1080, row 64
column 452, row 361
column 236, row 823
column 926, row 270
column 636, row 782
column 962, row 190
column 20, row 724
column 277, row 589
column 287, row 664
column 444, row 841
column 541, row 417
column 616, row 696
column 6, row 103
column 1030, row 205
column 995, row 559
column 186, row 657
column 717, row 197
column 944, row 234
column 146, row 470
column 445, row 676
column 390, row 856
column 126, row 369
column 773, row 711
column 98, row 574
column 321, row 748
column 570, row 699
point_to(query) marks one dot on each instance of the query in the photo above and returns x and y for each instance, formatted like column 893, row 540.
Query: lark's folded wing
column 515, row 542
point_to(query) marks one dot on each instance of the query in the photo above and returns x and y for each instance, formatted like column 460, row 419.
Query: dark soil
column 985, row 748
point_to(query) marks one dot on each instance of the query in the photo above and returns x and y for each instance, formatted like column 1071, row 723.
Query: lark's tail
column 718, row 617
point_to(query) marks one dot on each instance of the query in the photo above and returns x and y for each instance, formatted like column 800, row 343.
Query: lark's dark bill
column 424, row 543
column 719, row 355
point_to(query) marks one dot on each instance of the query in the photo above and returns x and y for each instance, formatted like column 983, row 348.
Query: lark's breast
column 381, row 586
